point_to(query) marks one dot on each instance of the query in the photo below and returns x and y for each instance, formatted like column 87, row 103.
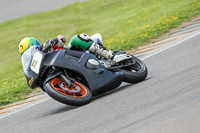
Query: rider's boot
column 102, row 51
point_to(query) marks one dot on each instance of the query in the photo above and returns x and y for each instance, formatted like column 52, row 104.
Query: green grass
column 124, row 24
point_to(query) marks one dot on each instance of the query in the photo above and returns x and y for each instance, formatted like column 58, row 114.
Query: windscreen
column 27, row 58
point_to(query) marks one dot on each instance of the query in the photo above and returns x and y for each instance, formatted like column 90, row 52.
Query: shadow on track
column 120, row 88
column 66, row 108
column 60, row 110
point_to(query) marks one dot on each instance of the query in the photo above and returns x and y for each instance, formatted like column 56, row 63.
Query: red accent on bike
column 57, row 48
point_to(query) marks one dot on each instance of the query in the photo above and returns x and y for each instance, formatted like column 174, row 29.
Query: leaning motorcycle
column 73, row 77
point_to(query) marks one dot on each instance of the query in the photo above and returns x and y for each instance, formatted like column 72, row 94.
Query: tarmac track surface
column 167, row 102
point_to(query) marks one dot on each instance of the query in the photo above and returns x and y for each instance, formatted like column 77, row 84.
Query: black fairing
column 99, row 80
column 32, row 79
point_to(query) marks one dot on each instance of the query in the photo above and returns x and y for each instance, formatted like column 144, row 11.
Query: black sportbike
column 73, row 77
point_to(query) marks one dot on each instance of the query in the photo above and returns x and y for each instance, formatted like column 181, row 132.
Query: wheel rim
column 135, row 67
column 83, row 91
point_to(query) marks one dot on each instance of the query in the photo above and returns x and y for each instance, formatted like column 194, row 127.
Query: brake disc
column 76, row 89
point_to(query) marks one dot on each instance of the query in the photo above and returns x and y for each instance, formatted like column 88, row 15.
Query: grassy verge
column 123, row 24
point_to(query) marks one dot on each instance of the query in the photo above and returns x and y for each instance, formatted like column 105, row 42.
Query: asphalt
column 11, row 9
column 167, row 101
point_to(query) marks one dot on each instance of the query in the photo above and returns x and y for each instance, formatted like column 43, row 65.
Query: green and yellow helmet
column 27, row 42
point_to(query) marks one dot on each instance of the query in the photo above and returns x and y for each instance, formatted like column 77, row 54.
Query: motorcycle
column 74, row 77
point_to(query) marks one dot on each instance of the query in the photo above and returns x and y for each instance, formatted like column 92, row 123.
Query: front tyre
column 66, row 95
column 135, row 73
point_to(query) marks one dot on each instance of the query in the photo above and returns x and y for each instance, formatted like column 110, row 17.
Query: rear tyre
column 54, row 90
column 135, row 73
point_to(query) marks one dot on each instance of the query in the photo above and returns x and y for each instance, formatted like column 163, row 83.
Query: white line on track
column 163, row 49
column 157, row 52
column 24, row 108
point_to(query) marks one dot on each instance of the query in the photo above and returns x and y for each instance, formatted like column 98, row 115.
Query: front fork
column 69, row 81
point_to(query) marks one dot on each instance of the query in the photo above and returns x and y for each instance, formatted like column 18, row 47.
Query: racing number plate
column 36, row 62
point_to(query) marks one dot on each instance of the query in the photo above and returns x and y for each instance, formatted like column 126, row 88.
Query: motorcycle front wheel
column 58, row 90
column 136, row 72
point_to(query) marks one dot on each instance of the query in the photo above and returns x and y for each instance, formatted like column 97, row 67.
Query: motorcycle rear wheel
column 135, row 73
column 53, row 89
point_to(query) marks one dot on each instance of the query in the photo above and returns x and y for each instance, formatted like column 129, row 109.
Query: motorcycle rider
column 78, row 42
column 49, row 45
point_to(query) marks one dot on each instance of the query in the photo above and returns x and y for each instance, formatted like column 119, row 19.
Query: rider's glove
column 49, row 44
column 53, row 42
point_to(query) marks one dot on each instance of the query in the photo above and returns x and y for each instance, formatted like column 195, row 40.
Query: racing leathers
column 83, row 42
